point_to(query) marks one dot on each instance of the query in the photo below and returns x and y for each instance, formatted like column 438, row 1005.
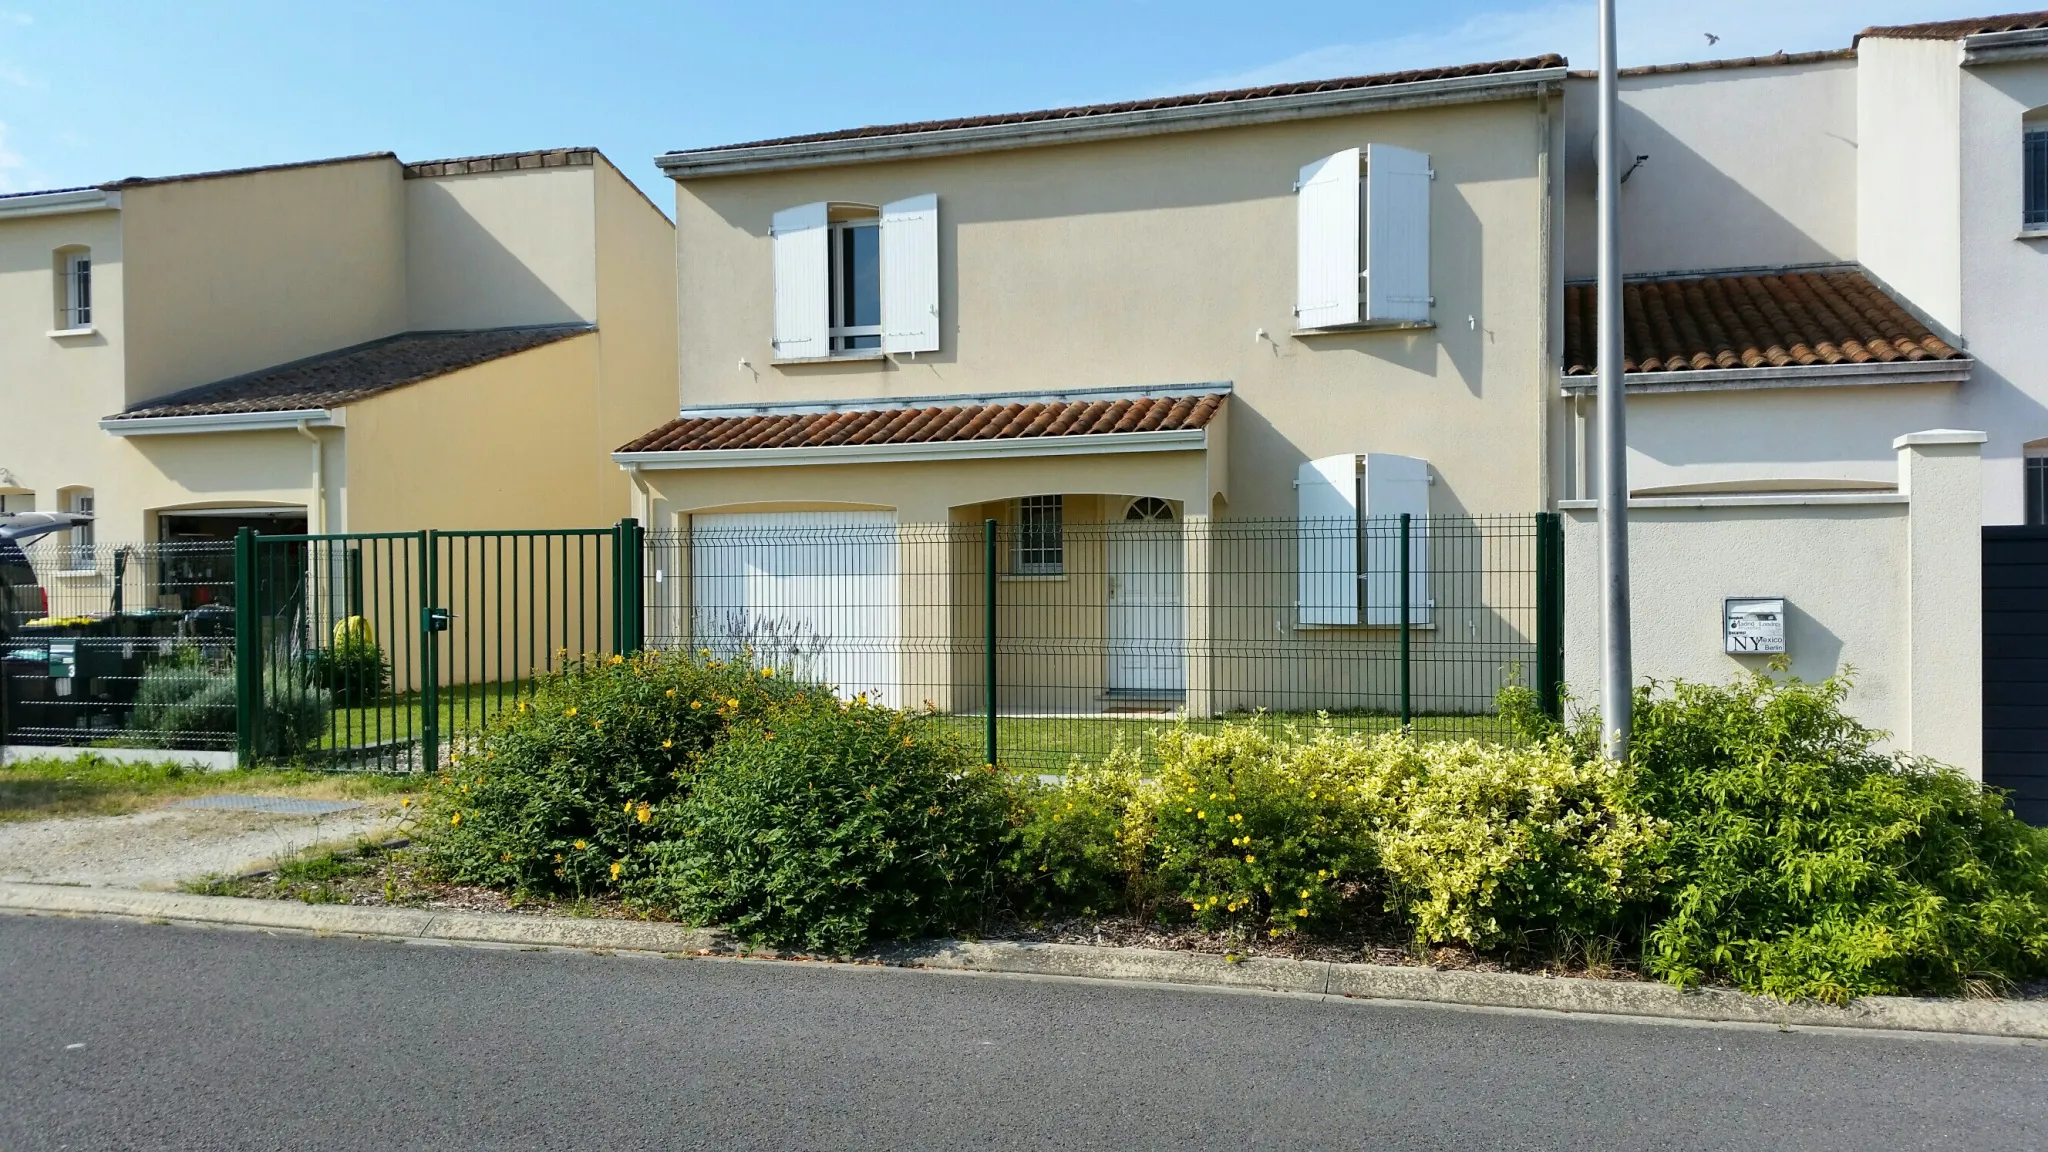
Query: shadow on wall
column 472, row 280
column 1676, row 186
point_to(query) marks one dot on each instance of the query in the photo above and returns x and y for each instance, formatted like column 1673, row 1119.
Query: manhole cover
column 283, row 805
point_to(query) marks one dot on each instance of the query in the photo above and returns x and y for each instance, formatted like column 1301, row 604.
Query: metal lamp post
column 1617, row 700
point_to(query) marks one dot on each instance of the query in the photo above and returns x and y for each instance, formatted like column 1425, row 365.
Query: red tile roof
column 1494, row 68
column 1752, row 320
column 1777, row 59
column 1958, row 29
column 952, row 423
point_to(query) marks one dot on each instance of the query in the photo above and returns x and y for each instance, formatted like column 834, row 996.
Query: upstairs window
column 1362, row 238
column 2034, row 210
column 1039, row 544
column 79, row 554
column 2037, row 484
column 74, row 288
column 853, row 280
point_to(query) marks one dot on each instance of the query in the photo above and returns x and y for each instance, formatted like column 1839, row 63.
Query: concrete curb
column 2002, row 1018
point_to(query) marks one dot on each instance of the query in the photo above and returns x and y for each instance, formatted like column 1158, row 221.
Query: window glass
column 2035, row 216
column 856, row 286
column 81, row 554
column 1040, row 548
column 81, row 292
column 2037, row 489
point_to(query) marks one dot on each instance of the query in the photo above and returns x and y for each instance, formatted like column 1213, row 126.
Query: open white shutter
column 1396, row 233
column 803, row 306
column 1394, row 485
column 910, row 275
column 1326, row 530
column 1326, row 239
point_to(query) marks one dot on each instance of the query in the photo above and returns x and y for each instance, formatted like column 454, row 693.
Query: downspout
column 317, row 521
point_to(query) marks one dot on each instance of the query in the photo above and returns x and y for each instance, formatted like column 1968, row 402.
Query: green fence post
column 988, row 534
column 248, row 682
column 628, row 615
column 430, row 664
column 1406, row 618
column 1550, row 613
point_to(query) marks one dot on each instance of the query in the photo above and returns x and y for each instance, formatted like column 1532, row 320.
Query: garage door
column 814, row 593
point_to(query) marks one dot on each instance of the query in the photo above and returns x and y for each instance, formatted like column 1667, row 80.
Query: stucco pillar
column 1197, row 568
column 925, row 554
column 1942, row 476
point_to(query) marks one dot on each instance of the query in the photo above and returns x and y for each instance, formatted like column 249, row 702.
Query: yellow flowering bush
column 1080, row 841
column 560, row 793
column 1246, row 831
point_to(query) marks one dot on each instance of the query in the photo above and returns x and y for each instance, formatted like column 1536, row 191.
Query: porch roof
column 962, row 425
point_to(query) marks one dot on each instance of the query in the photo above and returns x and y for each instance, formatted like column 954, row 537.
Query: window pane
column 1040, row 545
column 2037, row 490
column 2036, row 179
column 864, row 275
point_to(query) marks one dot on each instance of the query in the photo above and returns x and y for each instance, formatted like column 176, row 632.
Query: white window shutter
column 803, row 299
column 1396, row 233
column 1326, row 239
column 910, row 275
column 1326, row 530
column 1391, row 486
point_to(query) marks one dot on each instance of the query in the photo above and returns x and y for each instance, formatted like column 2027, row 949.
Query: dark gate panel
column 2016, row 666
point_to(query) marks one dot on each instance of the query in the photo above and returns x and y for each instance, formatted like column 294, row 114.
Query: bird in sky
column 1712, row 39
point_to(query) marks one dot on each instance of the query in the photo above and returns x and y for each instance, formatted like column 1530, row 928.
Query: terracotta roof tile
column 1493, row 68
column 1774, row 60
column 1045, row 419
column 1751, row 320
column 348, row 374
column 1958, row 29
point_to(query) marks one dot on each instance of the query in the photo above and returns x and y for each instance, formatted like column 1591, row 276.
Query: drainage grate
column 282, row 805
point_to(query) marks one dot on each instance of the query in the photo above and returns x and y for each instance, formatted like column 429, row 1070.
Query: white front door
column 813, row 593
column 1147, row 611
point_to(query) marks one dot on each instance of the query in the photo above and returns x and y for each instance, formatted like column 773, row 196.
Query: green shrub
column 1803, row 862
column 1528, row 846
column 184, row 702
column 821, row 826
column 1246, row 832
column 1076, row 851
column 567, row 784
column 353, row 673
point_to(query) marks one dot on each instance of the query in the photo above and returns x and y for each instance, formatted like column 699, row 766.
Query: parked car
column 22, row 598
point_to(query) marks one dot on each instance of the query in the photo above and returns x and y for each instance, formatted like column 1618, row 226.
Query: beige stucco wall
column 505, row 444
column 636, row 293
column 495, row 249
column 1748, row 167
column 228, row 274
column 53, row 389
column 1890, row 590
column 1909, row 194
column 1158, row 260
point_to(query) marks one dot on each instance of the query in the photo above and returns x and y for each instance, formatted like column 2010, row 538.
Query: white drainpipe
column 316, row 522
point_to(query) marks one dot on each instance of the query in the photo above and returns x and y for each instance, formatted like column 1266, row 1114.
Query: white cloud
column 1652, row 32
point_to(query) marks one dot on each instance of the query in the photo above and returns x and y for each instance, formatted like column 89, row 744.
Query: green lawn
column 1052, row 742
column 86, row 785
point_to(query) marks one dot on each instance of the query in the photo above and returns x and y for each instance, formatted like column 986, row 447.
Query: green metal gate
column 383, row 650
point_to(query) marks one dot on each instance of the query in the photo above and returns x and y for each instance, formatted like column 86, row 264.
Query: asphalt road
column 126, row 1035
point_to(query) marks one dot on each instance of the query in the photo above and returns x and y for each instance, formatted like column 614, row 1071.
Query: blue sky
column 95, row 92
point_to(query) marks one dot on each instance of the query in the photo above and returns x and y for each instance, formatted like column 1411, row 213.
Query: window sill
column 61, row 333
column 77, row 574
column 1366, row 326
column 2032, row 234
column 836, row 358
column 1033, row 577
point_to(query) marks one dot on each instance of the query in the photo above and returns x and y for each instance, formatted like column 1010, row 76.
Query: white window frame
column 1038, row 545
column 2034, row 177
column 839, row 337
column 79, row 552
column 76, row 269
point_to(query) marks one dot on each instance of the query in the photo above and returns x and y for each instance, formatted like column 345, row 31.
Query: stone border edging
column 2001, row 1018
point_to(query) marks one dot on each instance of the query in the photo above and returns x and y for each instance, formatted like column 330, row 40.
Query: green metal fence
column 383, row 651
column 1040, row 646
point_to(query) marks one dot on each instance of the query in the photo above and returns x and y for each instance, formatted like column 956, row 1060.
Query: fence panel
column 132, row 647
column 1107, row 632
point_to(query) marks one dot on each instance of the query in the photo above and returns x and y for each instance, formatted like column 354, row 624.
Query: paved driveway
column 126, row 1035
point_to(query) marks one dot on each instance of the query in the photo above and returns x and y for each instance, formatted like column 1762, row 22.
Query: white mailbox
column 1753, row 625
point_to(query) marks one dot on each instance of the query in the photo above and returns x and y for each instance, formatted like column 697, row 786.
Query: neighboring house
column 1201, row 311
column 357, row 344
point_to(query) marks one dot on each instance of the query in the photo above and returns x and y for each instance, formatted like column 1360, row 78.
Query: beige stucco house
column 1138, row 336
column 357, row 344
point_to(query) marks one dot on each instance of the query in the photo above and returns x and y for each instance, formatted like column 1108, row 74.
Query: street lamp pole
column 1616, row 680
